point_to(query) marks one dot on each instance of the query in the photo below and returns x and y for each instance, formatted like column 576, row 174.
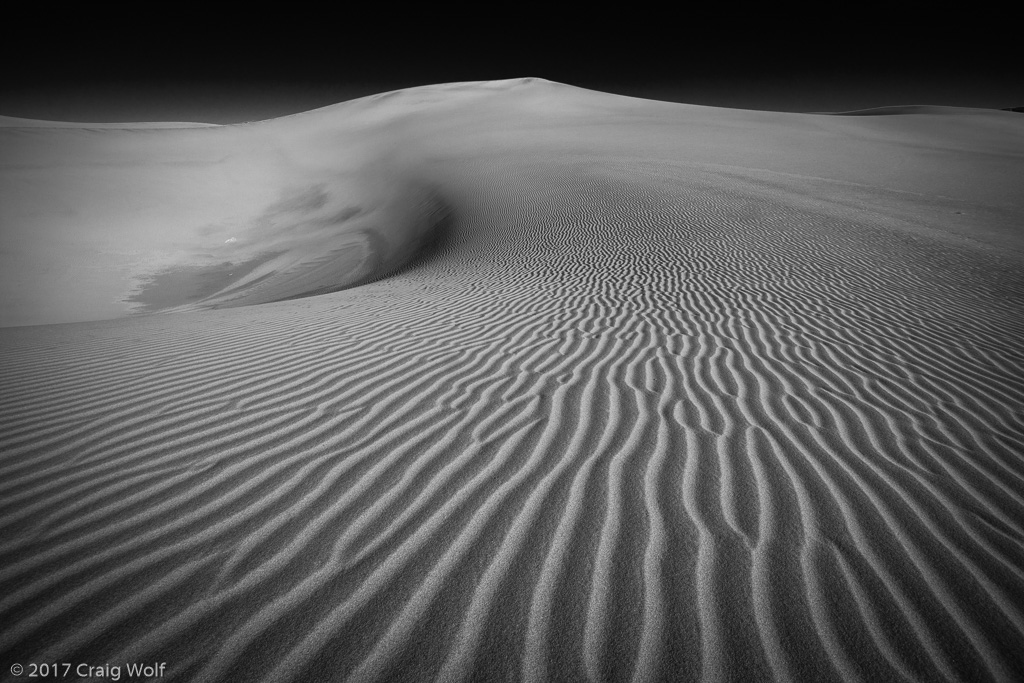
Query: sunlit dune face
column 102, row 222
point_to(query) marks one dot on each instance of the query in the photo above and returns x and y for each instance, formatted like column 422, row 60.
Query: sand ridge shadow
column 305, row 244
column 188, row 284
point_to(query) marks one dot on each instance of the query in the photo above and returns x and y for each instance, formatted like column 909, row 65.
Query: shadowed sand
column 602, row 389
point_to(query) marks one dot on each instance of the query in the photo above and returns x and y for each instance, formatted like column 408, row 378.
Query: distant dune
column 516, row 381
column 17, row 122
column 918, row 109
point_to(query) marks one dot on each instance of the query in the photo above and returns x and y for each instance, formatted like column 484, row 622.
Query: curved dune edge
column 349, row 247
column 634, row 415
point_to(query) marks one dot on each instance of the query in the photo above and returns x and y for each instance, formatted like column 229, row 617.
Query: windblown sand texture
column 544, row 384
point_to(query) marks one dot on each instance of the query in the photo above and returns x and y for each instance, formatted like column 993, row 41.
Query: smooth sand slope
column 553, row 385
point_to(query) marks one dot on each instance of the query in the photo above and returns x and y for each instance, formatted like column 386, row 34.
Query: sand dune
column 600, row 389
column 19, row 122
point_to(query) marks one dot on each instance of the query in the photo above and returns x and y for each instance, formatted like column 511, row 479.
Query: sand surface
column 542, row 384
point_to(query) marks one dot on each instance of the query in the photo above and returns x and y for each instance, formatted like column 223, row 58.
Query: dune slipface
column 544, row 384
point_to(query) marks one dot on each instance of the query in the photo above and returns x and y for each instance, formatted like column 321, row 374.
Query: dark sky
column 195, row 69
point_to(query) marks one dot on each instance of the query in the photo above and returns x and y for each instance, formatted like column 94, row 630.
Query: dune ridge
column 642, row 411
column 21, row 122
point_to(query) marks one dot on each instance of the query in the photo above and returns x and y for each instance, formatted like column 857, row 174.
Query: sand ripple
column 629, row 420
